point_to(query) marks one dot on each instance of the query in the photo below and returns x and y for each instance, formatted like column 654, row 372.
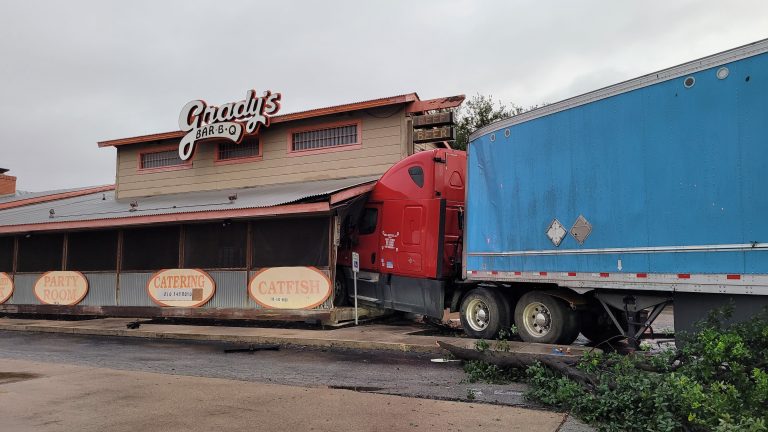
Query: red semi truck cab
column 408, row 234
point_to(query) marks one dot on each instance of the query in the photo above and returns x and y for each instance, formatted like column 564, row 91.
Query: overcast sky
column 73, row 73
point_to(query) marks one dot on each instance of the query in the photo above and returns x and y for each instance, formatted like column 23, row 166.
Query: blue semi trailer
column 594, row 213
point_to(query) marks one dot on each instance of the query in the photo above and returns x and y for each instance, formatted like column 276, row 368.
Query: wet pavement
column 372, row 360
column 408, row 374
column 366, row 373
column 62, row 397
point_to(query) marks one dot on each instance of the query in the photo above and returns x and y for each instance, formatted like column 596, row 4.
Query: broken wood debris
column 253, row 348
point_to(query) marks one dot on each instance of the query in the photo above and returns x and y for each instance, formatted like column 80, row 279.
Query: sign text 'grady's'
column 229, row 121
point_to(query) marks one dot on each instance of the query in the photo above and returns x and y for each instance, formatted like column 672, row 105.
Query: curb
column 430, row 348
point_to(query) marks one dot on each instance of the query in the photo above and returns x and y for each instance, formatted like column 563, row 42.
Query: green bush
column 624, row 399
column 716, row 382
column 479, row 371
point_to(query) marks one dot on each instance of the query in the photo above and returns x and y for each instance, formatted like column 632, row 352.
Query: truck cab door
column 369, row 231
column 409, row 237
column 368, row 244
column 450, row 169
column 409, row 256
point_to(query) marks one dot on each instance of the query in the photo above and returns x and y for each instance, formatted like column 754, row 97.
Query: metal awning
column 101, row 209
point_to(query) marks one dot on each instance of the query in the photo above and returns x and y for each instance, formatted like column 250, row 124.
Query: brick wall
column 7, row 184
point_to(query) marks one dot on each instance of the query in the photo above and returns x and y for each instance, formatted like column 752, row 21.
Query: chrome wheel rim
column 537, row 319
column 478, row 315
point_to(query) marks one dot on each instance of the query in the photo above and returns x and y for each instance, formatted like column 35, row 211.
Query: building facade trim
column 170, row 218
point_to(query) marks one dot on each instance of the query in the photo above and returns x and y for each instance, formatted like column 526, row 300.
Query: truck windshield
column 368, row 221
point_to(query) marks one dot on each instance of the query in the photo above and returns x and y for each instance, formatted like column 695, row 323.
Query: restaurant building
column 237, row 215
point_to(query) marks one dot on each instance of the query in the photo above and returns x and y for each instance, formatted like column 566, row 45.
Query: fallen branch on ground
column 562, row 364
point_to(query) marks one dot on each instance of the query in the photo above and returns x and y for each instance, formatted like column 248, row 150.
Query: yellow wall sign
column 6, row 287
column 290, row 287
column 61, row 288
column 181, row 287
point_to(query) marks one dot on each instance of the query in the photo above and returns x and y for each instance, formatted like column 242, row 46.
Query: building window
column 92, row 251
column 218, row 245
column 329, row 137
column 40, row 252
column 290, row 242
column 160, row 159
column 6, row 254
column 248, row 148
column 155, row 248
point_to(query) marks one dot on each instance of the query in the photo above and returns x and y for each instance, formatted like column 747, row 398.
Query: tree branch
column 563, row 365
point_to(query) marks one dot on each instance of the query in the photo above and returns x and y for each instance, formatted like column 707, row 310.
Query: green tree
column 481, row 111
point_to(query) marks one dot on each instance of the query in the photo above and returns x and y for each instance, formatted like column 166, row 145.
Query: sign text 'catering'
column 181, row 288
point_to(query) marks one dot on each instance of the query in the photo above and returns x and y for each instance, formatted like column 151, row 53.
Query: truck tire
column 340, row 293
column 484, row 313
column 545, row 319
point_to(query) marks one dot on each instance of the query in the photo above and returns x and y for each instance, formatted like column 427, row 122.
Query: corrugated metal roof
column 22, row 195
column 103, row 205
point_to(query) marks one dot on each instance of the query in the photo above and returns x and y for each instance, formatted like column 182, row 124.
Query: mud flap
column 401, row 293
column 421, row 296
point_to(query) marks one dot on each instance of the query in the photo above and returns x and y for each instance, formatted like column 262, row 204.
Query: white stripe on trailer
column 725, row 283
column 737, row 247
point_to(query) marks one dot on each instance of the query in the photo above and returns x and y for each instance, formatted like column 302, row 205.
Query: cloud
column 74, row 73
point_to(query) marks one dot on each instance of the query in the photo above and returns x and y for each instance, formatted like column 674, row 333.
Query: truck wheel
column 483, row 313
column 597, row 326
column 340, row 296
column 545, row 319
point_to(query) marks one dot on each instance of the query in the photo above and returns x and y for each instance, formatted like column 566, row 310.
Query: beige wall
column 418, row 147
column 384, row 142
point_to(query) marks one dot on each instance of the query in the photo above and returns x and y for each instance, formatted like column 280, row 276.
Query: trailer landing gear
column 597, row 326
column 634, row 308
